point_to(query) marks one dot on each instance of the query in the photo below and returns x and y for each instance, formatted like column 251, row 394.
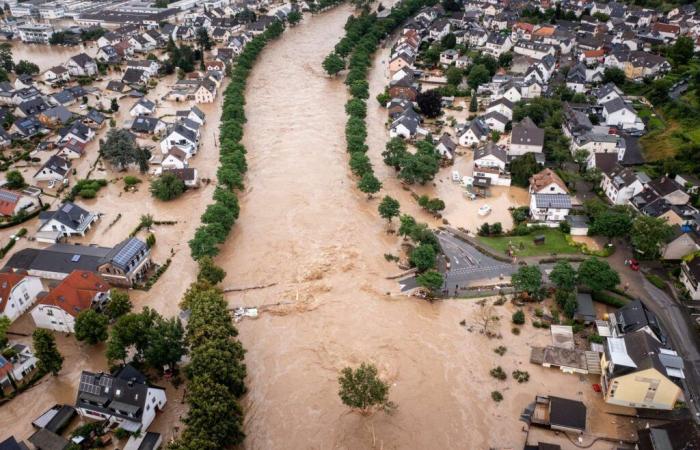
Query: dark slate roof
column 122, row 395
column 635, row 316
column 144, row 124
column 57, row 164
column 82, row 59
column 12, row 444
column 665, row 186
column 46, row 440
column 132, row 76
column 584, row 307
column 567, row 413
column 78, row 129
column 63, row 97
column 69, row 214
column 95, row 116
column 676, row 435
column 149, row 442
column 55, row 419
column 490, row 149
column 33, row 106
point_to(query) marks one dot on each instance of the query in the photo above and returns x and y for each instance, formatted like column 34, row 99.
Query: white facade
column 21, row 297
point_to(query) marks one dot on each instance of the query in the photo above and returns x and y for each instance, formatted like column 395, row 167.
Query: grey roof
column 122, row 395
column 145, row 124
column 56, row 418
column 12, row 444
column 126, row 252
column 490, row 149
column 46, row 440
column 527, row 133
column 69, row 214
column 77, row 129
column 567, row 413
column 577, row 221
column 616, row 104
column 60, row 113
column 558, row 201
column 584, row 307
column 146, row 103
column 33, row 106
column 56, row 164
column 95, row 116
column 497, row 116
column 82, row 59
column 635, row 316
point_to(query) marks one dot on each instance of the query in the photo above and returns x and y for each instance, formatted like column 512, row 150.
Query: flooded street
column 305, row 227
column 46, row 56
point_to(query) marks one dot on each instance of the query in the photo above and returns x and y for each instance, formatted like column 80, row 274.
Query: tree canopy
column 597, row 275
column 121, row 150
column 647, row 235
column 167, row 187
column 389, row 208
column 362, row 389
column 91, row 326
column 430, row 103
column 528, row 279
column 563, row 276
column 46, row 351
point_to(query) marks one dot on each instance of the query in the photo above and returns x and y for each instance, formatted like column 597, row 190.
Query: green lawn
column 554, row 242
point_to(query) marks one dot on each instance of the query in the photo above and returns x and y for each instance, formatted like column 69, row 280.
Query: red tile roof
column 8, row 280
column 76, row 292
column 8, row 202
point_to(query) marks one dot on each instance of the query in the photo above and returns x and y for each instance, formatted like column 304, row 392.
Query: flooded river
column 306, row 228
column 46, row 56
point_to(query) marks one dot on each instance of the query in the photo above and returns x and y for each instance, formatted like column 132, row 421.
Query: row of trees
column 220, row 216
column 216, row 372
column 358, row 44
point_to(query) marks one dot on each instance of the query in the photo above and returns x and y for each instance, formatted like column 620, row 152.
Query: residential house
column 56, row 74
column 19, row 366
column 638, row 64
column 82, row 65
column 476, row 133
column 108, row 54
column 205, row 92
column 549, row 197
column 55, row 169
column 193, row 113
column 79, row 291
column 148, row 125
column 13, row 203
column 690, row 276
column 148, row 66
column 490, row 162
column 18, row 291
column 680, row 245
column 67, row 220
column 526, row 137
column 58, row 115
column 620, row 114
column 78, row 131
column 182, row 137
column 143, row 107
column 125, row 264
column 188, row 175
column 620, row 185
column 639, row 372
column 133, row 76
column 125, row 398
column 675, row 435
column 72, row 149
column 446, row 146
column 175, row 159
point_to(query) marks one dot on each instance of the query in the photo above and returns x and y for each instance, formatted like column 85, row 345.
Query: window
column 49, row 312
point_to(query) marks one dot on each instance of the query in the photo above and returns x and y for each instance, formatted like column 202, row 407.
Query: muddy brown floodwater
column 304, row 226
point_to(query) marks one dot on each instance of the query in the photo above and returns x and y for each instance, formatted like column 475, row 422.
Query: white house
column 54, row 169
column 205, row 92
column 490, row 162
column 143, row 107
column 526, row 137
column 620, row 185
column 67, row 220
column 476, row 133
column 18, row 291
column 619, row 113
column 182, row 137
column 82, row 65
column 56, row 74
column 125, row 398
column 549, row 197
column 690, row 276
column 79, row 291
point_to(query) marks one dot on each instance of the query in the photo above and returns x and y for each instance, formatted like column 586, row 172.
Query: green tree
column 220, row 359
column 210, row 272
column 518, row 317
column 431, row 280
column 454, row 75
column 407, row 225
column 448, row 41
column 15, row 180
column 203, row 39
column 581, row 156
column 369, row 184
column 614, row 75
column 362, row 389
column 294, row 17
column 118, row 305
column 422, row 166
column 682, row 50
column 647, row 235
column 435, row 205
column 214, row 416
column 114, row 105
column 528, row 279
column 430, row 103
column 25, row 67
column 167, row 187
column 505, row 59
column 4, row 326
column 522, row 168
column 563, row 276
column 395, row 152
column 597, row 275
column 46, row 351
column 91, row 327
column 166, row 344
column 611, row 224
column 121, row 150
column 6, row 59
column 473, row 103
column 333, row 64
column 423, row 257
column 478, row 75
column 389, row 208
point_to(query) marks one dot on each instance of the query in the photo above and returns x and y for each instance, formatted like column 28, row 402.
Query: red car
column 634, row 264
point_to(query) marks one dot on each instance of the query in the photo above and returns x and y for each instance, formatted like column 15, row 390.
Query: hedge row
column 362, row 37
column 220, row 216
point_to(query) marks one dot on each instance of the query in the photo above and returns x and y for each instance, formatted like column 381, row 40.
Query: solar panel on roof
column 75, row 258
column 87, row 384
column 127, row 252
column 67, row 207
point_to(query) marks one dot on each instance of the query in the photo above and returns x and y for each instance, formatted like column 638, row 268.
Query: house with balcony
column 620, row 184
column 690, row 277
column 549, row 197
column 67, row 220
